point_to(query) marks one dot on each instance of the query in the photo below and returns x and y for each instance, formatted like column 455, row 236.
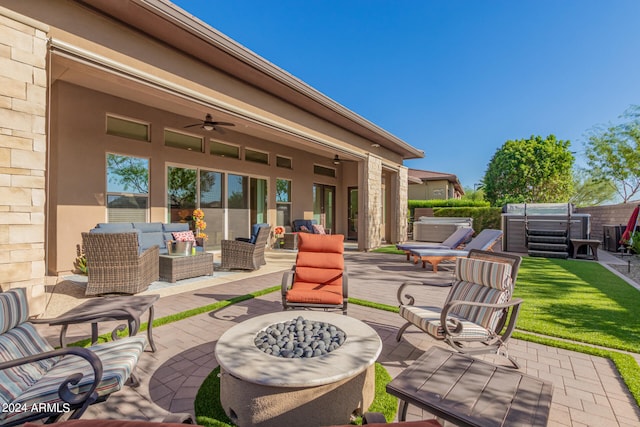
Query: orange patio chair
column 319, row 277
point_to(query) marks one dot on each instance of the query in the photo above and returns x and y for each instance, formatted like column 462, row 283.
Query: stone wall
column 23, row 153
column 607, row 215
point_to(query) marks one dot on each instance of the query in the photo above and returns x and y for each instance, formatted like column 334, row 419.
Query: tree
column 533, row 170
column 613, row 154
column 476, row 193
column 589, row 192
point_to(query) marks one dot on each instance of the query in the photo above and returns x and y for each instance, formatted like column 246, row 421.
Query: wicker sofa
column 149, row 233
column 116, row 265
column 32, row 372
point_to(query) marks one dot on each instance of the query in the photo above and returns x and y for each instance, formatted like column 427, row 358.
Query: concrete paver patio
column 588, row 390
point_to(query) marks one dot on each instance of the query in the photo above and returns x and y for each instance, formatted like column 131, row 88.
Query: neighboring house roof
column 168, row 23
column 417, row 176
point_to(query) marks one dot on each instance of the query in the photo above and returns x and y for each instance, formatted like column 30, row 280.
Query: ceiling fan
column 337, row 160
column 209, row 124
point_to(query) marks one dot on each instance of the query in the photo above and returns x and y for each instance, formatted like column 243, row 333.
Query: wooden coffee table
column 470, row 392
column 177, row 267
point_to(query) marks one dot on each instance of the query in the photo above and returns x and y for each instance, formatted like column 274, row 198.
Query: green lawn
column 580, row 301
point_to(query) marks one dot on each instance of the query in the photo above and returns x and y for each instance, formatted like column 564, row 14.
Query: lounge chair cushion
column 319, row 269
column 496, row 275
column 21, row 341
column 428, row 319
column 476, row 281
column 14, row 309
column 119, row 358
column 458, row 237
column 315, row 293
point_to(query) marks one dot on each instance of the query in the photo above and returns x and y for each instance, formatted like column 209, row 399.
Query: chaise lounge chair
column 457, row 238
column 484, row 241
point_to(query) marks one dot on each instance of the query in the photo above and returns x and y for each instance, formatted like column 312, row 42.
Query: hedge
column 483, row 217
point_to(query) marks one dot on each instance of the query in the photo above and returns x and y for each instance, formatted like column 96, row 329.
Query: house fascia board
column 237, row 59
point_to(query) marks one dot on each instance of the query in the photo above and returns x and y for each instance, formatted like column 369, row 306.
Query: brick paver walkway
column 587, row 390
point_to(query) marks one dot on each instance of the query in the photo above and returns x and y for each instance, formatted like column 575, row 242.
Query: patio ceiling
column 170, row 25
column 192, row 107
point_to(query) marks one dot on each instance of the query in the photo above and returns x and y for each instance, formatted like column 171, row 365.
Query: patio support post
column 399, row 196
column 369, row 220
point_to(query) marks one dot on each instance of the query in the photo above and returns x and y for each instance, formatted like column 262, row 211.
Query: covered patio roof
column 174, row 28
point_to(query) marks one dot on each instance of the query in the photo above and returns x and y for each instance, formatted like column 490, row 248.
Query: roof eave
column 244, row 64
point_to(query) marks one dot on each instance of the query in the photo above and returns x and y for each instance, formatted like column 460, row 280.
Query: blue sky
column 454, row 78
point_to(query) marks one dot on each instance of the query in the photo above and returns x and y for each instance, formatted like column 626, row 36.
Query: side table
column 176, row 267
column 591, row 244
column 472, row 393
column 104, row 309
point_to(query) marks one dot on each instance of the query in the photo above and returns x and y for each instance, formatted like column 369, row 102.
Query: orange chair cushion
column 324, row 243
column 315, row 293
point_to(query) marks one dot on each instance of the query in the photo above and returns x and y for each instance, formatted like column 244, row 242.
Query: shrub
column 439, row 203
column 483, row 217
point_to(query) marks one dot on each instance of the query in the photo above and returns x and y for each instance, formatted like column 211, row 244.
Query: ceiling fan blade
column 195, row 124
column 222, row 124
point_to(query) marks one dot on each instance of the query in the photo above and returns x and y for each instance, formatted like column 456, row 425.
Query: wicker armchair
column 244, row 255
column 115, row 266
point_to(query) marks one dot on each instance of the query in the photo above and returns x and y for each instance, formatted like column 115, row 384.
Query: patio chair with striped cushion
column 62, row 382
column 479, row 314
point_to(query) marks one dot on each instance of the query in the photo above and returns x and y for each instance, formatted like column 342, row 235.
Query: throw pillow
column 183, row 236
column 319, row 229
column 304, row 228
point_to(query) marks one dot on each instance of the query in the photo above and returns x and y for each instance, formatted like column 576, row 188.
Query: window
column 127, row 128
column 127, row 188
column 322, row 170
column 182, row 140
column 221, row 149
column 181, row 193
column 283, row 202
column 283, row 162
column 256, row 156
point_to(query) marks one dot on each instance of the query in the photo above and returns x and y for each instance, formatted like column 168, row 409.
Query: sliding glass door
column 230, row 202
column 324, row 201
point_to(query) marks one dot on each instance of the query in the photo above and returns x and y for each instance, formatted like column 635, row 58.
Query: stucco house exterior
column 428, row 185
column 97, row 99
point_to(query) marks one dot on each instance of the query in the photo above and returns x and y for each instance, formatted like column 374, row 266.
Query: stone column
column 370, row 195
column 23, row 154
column 399, row 197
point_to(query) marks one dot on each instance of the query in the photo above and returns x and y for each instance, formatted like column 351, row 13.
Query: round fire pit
column 258, row 389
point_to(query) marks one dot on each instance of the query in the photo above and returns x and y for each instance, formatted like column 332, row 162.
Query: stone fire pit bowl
column 259, row 389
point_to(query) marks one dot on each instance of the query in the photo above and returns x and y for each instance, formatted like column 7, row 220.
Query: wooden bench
column 579, row 243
